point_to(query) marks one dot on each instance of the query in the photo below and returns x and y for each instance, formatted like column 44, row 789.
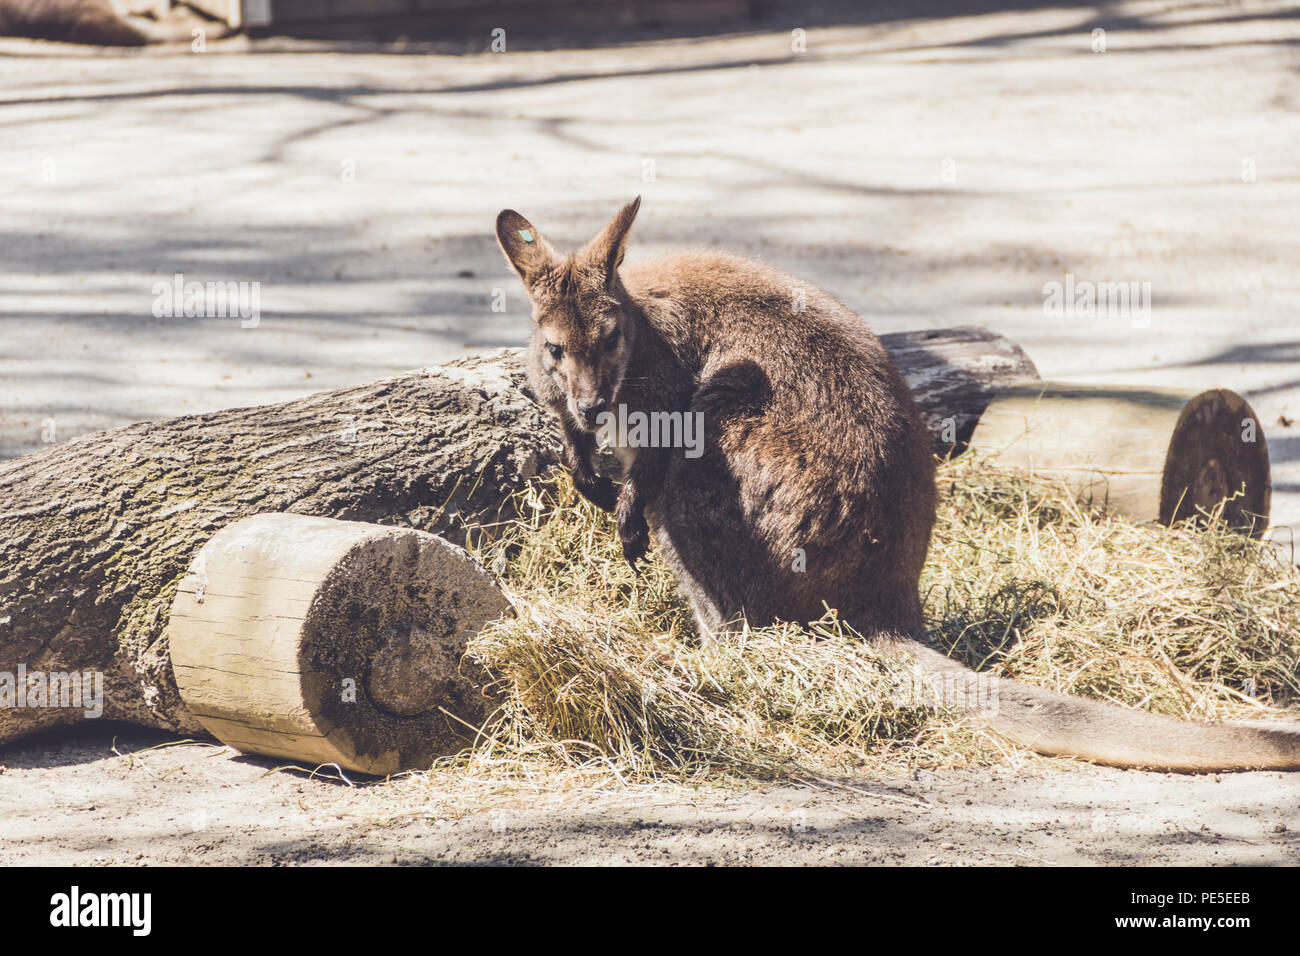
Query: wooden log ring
column 1150, row 454
column 330, row 641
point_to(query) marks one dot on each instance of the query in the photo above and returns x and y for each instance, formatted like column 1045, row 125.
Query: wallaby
column 812, row 447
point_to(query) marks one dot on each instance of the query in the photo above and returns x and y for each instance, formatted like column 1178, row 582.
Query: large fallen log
column 954, row 374
column 96, row 533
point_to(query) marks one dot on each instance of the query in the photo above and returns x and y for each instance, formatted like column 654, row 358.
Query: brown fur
column 94, row 22
column 813, row 446
column 72, row 21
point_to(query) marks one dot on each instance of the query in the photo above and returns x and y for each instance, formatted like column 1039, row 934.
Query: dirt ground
column 103, row 798
column 930, row 173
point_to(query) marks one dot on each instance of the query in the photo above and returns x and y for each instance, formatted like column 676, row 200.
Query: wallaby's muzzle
column 588, row 411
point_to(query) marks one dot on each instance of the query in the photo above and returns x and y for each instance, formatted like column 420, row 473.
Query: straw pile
column 605, row 679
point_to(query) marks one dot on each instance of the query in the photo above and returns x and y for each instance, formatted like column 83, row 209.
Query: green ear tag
column 526, row 235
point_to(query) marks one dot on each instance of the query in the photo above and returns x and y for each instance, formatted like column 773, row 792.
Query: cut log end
column 331, row 641
column 1150, row 454
column 1218, row 452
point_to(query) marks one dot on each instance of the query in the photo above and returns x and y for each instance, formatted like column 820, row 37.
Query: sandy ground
column 99, row 799
column 928, row 173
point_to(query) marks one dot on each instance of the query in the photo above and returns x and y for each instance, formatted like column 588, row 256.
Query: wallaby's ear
column 525, row 248
column 605, row 252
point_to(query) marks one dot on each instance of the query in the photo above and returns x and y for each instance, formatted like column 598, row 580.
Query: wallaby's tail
column 1060, row 725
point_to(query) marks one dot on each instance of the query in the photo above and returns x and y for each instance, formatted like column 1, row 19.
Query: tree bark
column 954, row 374
column 96, row 533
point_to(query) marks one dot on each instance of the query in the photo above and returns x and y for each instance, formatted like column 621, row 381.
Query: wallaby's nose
column 590, row 410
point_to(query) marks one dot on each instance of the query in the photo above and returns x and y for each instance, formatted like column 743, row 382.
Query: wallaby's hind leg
column 701, row 529
column 695, row 536
column 703, row 600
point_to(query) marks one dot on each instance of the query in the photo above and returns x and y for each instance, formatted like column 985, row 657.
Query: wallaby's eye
column 557, row 353
column 611, row 343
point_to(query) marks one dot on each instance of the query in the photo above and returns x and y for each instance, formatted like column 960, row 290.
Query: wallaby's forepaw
column 598, row 489
column 633, row 532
